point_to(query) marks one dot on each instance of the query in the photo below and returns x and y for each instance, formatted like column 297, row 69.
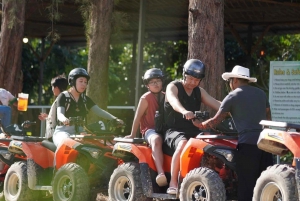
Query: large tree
column 12, row 30
column 11, row 38
column 206, row 42
column 98, row 30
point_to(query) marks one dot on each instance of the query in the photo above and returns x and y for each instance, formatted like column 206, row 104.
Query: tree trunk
column 12, row 30
column 11, row 38
column 206, row 42
column 99, row 41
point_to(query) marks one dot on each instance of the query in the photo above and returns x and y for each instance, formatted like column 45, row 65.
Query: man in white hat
column 247, row 105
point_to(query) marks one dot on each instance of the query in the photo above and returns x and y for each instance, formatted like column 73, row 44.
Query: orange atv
column 207, row 169
column 5, row 156
column 280, row 181
column 81, row 163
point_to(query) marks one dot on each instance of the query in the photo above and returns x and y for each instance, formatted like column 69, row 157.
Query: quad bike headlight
column 226, row 153
column 95, row 153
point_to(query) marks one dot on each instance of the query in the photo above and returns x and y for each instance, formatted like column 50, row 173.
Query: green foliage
column 288, row 158
column 61, row 60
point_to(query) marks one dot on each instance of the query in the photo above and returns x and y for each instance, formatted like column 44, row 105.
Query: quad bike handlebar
column 226, row 127
column 15, row 129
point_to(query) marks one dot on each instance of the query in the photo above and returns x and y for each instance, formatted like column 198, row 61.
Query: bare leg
column 175, row 164
column 157, row 154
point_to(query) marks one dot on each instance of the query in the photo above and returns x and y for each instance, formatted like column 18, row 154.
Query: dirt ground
column 101, row 197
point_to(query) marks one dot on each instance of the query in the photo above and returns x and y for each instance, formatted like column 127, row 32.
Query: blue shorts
column 149, row 133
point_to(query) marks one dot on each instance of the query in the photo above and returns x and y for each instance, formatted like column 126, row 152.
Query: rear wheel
column 202, row 184
column 71, row 183
column 16, row 184
column 277, row 183
column 125, row 183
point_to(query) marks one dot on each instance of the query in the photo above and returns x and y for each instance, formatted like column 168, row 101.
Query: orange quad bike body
column 204, row 161
column 66, row 172
column 280, row 181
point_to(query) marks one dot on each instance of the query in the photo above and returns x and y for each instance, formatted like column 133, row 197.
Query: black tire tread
column 132, row 171
column 283, row 175
column 26, row 193
column 80, row 182
column 208, row 177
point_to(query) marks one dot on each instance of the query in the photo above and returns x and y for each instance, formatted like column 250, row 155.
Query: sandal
column 172, row 190
column 161, row 180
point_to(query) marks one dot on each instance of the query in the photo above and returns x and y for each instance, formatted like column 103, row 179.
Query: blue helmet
column 194, row 68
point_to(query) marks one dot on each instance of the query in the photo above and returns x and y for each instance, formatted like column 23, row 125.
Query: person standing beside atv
column 79, row 106
column 144, row 116
column 248, row 105
column 58, row 84
column 183, row 98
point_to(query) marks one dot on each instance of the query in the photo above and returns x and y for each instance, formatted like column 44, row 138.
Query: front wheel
column 125, row 183
column 71, row 183
column 202, row 184
column 277, row 183
column 16, row 184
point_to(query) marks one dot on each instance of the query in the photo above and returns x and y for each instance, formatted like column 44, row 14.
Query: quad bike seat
column 219, row 137
column 49, row 145
column 280, row 124
column 130, row 140
column 27, row 138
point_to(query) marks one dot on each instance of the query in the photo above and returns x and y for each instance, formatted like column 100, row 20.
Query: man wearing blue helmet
column 183, row 97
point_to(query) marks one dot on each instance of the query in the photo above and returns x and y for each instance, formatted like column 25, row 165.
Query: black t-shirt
column 75, row 108
column 175, row 120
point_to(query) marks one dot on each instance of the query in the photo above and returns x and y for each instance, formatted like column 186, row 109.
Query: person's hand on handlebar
column 188, row 115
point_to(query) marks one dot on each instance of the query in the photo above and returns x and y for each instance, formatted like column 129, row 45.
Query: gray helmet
column 194, row 68
column 76, row 73
column 152, row 73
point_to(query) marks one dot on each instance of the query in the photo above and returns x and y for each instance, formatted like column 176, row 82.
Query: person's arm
column 140, row 111
column 61, row 115
column 102, row 113
column 172, row 98
column 209, row 101
column 212, row 122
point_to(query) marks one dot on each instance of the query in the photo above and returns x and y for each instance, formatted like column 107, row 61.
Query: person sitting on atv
column 183, row 98
column 248, row 105
column 79, row 106
column 144, row 116
column 58, row 84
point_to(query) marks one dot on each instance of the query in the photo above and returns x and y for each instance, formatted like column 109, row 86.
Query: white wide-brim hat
column 239, row 72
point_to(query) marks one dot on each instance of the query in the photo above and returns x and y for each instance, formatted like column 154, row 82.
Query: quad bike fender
column 191, row 155
column 279, row 142
column 142, row 153
column 36, row 152
column 66, row 153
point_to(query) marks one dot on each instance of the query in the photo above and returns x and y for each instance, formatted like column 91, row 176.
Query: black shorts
column 173, row 137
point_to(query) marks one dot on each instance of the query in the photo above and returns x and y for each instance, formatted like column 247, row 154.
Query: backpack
column 51, row 121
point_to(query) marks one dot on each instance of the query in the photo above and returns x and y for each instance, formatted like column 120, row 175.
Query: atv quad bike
column 77, row 163
column 16, row 130
column 280, row 181
column 207, row 169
